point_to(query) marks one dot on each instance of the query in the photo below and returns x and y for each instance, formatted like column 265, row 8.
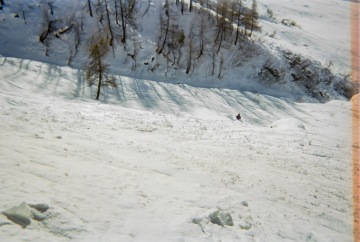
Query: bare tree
column 99, row 11
column 213, row 58
column 47, row 26
column 131, row 8
column 238, row 23
column 90, row 8
column 51, row 7
column 123, row 22
column 221, row 10
column 202, row 30
column 77, row 41
column 190, row 50
column 109, row 27
column 131, row 14
column 175, row 43
column 164, row 28
column 221, row 66
column 251, row 19
column 116, row 12
column 147, row 9
column 96, row 70
column 254, row 16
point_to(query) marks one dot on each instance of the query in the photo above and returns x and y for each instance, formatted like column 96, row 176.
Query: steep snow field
column 157, row 169
column 154, row 161
column 322, row 30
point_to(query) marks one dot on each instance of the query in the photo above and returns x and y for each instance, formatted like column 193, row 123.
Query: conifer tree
column 96, row 71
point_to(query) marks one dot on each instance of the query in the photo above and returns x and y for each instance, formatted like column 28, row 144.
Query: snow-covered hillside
column 287, row 57
column 162, row 157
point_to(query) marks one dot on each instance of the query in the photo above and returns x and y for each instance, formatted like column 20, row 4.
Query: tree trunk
column 159, row 51
column 109, row 24
column 100, row 79
column 51, row 8
column 202, row 29
column 252, row 25
column 90, row 9
column 123, row 39
column 116, row 13
column 131, row 7
column 45, row 34
column 253, row 16
column 101, row 12
column 238, row 23
column 188, row 67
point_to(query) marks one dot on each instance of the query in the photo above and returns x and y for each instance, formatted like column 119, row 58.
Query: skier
column 238, row 117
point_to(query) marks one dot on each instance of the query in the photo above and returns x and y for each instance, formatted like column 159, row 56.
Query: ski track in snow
column 167, row 156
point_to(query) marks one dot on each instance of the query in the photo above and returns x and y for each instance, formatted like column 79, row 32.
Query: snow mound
column 24, row 213
column 20, row 215
column 288, row 124
column 221, row 218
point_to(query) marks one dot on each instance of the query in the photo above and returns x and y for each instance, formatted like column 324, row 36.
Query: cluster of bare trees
column 113, row 18
column 232, row 15
column 213, row 27
column 120, row 13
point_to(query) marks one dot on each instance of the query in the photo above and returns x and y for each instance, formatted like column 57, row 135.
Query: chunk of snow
column 20, row 215
column 245, row 225
column 41, row 207
column 221, row 218
column 287, row 124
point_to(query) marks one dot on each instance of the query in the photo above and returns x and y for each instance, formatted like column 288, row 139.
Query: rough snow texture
column 155, row 161
column 167, row 156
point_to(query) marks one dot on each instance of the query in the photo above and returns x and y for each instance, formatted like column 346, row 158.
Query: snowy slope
column 157, row 169
column 162, row 158
column 322, row 30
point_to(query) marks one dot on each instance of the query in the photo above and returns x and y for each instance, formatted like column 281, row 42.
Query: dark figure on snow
column 238, row 117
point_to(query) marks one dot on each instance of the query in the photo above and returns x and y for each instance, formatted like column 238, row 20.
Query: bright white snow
column 322, row 30
column 154, row 161
column 156, row 173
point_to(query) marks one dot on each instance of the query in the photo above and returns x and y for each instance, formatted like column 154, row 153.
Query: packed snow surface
column 171, row 164
column 155, row 161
